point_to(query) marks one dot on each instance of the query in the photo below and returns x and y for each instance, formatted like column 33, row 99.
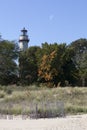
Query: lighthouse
column 23, row 40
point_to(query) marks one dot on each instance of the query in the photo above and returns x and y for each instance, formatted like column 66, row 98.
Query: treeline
column 51, row 64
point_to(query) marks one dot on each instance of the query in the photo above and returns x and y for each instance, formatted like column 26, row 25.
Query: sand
column 78, row 122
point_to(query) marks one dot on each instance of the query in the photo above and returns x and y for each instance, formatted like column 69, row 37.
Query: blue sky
column 61, row 21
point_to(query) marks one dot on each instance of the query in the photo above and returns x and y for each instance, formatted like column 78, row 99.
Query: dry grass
column 19, row 99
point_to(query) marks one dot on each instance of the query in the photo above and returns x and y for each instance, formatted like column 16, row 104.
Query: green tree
column 28, row 66
column 70, row 71
column 8, row 66
column 80, row 51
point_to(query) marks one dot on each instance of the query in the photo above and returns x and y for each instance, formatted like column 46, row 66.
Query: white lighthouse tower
column 23, row 40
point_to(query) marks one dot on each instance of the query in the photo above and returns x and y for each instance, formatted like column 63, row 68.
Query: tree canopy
column 50, row 64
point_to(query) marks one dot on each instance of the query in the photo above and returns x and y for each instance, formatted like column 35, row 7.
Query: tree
column 8, row 66
column 46, row 71
column 70, row 72
column 57, row 65
column 80, row 51
column 50, row 64
column 28, row 66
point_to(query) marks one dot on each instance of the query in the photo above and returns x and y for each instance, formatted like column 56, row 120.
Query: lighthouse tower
column 23, row 40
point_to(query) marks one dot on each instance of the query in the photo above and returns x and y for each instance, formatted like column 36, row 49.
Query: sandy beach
column 78, row 122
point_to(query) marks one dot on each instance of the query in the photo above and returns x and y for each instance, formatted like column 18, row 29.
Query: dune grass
column 23, row 100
